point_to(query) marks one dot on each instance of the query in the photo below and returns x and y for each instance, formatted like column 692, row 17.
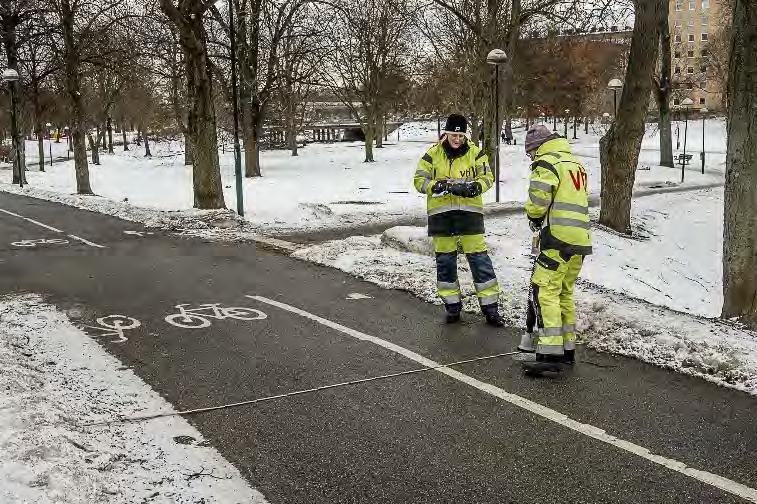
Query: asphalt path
column 612, row 430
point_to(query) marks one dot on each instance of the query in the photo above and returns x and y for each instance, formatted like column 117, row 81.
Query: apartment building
column 693, row 24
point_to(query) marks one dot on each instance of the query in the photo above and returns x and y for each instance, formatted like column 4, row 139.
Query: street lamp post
column 615, row 84
column 704, row 111
column 11, row 77
column 686, row 104
column 496, row 57
column 235, row 100
column 50, row 145
column 543, row 117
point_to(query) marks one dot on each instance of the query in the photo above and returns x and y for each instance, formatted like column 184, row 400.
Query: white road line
column 32, row 221
column 86, row 242
column 56, row 230
column 591, row 431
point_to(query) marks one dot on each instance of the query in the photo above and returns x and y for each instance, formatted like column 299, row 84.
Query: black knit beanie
column 456, row 124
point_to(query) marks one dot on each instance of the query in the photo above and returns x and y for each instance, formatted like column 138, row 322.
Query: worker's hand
column 473, row 189
column 440, row 186
column 535, row 224
column 466, row 189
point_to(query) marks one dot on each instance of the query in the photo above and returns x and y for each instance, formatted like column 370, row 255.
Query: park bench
column 683, row 159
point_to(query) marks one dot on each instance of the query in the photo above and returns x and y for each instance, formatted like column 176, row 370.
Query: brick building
column 693, row 24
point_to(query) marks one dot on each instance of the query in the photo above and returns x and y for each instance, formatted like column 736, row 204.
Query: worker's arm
column 424, row 175
column 484, row 174
column 541, row 187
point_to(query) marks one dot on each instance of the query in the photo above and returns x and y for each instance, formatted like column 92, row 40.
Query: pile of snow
column 54, row 380
column 328, row 186
column 674, row 261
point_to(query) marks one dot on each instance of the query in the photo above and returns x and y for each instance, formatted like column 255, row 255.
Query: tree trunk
column 147, row 143
column 72, row 64
column 252, row 139
column 740, row 230
column 378, row 129
column 94, row 149
column 123, row 134
column 41, row 148
column 663, row 90
column 369, row 134
column 187, row 151
column 139, row 138
column 619, row 148
column 109, row 125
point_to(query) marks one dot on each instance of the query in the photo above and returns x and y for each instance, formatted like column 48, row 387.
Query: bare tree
column 13, row 15
column 619, row 148
column 663, row 87
column 368, row 59
column 188, row 17
column 740, row 233
column 79, row 29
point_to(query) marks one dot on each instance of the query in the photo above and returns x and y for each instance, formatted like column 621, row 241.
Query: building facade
column 693, row 26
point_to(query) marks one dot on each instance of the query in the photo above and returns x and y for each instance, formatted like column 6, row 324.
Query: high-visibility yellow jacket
column 435, row 165
column 558, row 194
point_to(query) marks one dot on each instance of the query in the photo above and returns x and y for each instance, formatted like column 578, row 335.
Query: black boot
column 543, row 364
column 453, row 312
column 569, row 358
column 493, row 318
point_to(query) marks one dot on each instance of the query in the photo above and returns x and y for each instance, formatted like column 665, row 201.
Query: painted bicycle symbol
column 43, row 241
column 199, row 317
column 115, row 325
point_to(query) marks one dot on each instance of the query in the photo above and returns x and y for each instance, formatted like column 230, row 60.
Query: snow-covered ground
column 329, row 187
column 55, row 380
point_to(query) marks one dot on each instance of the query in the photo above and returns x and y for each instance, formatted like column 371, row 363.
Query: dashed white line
column 86, row 242
column 545, row 412
column 32, row 221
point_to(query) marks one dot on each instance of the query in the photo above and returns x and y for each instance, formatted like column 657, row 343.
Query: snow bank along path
column 53, row 379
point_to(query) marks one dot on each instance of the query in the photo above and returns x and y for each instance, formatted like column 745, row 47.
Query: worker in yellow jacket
column 453, row 174
column 557, row 207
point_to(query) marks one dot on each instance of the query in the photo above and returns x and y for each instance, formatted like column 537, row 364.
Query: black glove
column 473, row 189
column 535, row 224
column 440, row 187
column 457, row 189
column 466, row 189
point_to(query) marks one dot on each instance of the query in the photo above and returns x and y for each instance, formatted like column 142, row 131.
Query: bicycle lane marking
column 200, row 316
column 51, row 228
column 545, row 412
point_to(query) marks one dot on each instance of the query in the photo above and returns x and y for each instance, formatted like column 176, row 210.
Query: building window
column 678, row 23
column 689, row 85
column 705, row 4
column 677, row 38
column 704, row 69
column 690, row 70
column 704, row 37
column 676, row 101
column 678, row 70
column 677, row 54
column 691, row 23
column 691, row 37
column 704, row 52
column 690, row 54
column 692, row 4
column 705, row 21
column 702, row 101
column 679, row 5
